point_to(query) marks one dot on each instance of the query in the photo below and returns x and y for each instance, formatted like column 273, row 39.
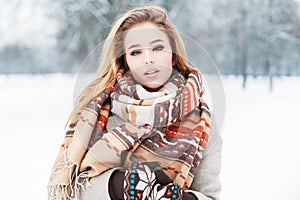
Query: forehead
column 143, row 34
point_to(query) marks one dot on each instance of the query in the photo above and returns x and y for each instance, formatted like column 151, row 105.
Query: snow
column 260, row 135
column 33, row 112
column 261, row 150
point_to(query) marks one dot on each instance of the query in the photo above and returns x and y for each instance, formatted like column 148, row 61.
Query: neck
column 152, row 89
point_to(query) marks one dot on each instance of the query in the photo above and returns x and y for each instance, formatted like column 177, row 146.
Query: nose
column 148, row 57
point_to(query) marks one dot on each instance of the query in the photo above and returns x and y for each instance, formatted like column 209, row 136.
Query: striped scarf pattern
column 170, row 126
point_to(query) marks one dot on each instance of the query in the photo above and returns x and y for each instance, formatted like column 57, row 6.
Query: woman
column 140, row 130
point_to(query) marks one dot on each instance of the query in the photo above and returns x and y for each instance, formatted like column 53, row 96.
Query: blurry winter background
column 255, row 44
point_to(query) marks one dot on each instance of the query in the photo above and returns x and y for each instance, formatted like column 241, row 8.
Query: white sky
column 26, row 22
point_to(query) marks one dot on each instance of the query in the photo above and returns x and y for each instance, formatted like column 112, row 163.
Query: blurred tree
column 243, row 37
column 272, row 36
column 250, row 37
column 243, row 27
column 18, row 58
column 85, row 24
column 26, row 42
column 24, row 62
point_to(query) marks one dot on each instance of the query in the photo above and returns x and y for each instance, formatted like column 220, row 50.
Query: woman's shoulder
column 214, row 139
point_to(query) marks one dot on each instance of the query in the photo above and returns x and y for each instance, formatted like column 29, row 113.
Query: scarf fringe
column 78, row 182
column 63, row 192
column 58, row 192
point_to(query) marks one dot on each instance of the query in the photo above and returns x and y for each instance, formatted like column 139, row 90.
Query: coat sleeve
column 97, row 187
column 206, row 184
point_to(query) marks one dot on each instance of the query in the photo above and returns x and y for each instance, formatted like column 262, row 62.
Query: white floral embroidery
column 158, row 193
column 147, row 179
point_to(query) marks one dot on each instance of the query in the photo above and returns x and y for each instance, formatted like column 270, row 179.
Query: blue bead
column 132, row 187
column 175, row 191
column 131, row 197
column 132, row 176
column 131, row 181
column 131, row 192
column 133, row 171
column 173, row 196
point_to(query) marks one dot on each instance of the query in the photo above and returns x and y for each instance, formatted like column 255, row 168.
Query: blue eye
column 135, row 52
column 158, row 48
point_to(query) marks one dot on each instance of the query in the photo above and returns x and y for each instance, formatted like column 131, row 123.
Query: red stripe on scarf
column 206, row 123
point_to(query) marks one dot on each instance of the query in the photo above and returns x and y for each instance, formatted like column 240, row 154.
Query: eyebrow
column 138, row 45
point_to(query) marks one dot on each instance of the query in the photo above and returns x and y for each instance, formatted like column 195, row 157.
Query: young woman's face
column 148, row 55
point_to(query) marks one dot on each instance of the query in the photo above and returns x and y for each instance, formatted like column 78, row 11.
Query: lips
column 151, row 72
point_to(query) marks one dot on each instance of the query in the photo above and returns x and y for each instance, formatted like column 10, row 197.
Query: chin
column 152, row 88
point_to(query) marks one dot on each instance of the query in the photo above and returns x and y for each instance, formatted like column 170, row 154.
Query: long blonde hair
column 112, row 57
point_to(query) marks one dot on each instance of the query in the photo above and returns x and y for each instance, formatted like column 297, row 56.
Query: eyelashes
column 136, row 52
column 158, row 48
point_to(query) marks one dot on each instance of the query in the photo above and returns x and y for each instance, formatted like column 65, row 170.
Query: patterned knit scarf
column 170, row 126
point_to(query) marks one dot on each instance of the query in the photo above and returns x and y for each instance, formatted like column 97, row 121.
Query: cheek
column 132, row 62
column 165, row 59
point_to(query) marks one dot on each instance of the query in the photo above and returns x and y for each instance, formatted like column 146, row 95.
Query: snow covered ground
column 261, row 136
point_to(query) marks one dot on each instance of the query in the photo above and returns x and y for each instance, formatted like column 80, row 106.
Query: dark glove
column 170, row 188
column 170, row 191
column 141, row 181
